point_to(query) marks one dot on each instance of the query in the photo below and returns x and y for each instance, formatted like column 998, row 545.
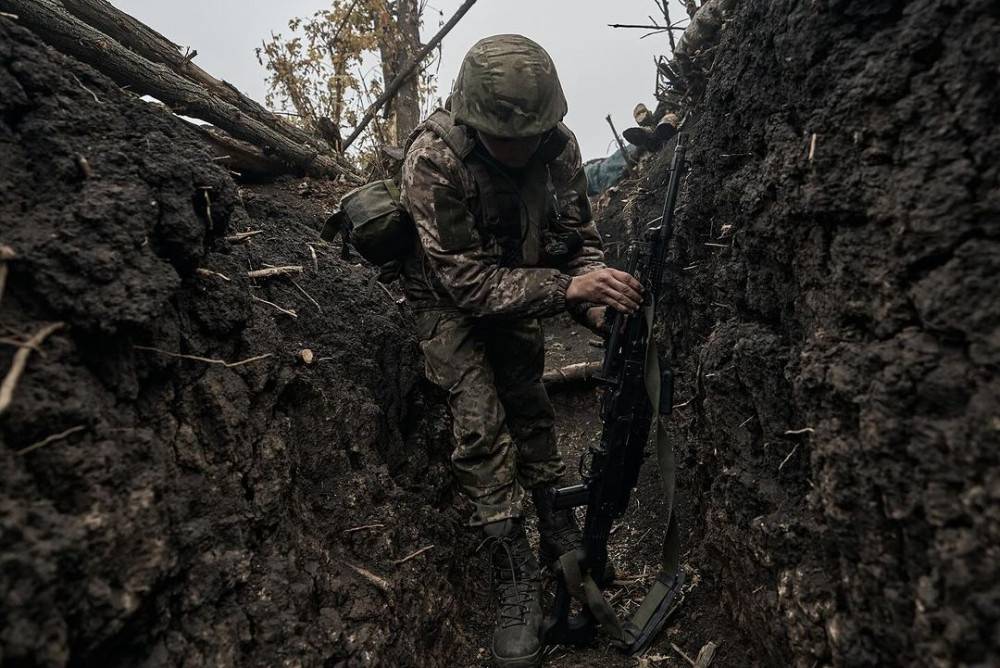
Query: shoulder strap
column 456, row 137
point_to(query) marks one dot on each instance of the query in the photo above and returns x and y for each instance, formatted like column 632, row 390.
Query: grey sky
column 603, row 70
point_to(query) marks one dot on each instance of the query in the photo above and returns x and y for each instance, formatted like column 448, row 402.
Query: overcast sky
column 603, row 70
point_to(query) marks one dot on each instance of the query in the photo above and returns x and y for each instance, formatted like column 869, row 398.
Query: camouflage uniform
column 478, row 281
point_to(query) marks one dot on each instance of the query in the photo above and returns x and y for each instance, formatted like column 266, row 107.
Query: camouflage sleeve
column 570, row 181
column 446, row 228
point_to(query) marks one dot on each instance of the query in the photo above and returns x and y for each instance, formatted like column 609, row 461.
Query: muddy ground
column 832, row 318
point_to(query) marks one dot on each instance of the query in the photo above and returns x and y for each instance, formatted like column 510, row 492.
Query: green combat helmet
column 508, row 87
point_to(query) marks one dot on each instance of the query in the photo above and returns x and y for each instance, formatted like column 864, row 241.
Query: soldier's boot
column 516, row 584
column 643, row 138
column 559, row 533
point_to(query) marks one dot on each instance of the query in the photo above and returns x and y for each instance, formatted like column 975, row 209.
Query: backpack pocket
column 372, row 221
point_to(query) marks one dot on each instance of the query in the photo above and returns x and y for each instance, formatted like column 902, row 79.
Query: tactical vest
column 514, row 209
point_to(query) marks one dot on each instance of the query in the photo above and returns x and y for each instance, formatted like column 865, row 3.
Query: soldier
column 495, row 186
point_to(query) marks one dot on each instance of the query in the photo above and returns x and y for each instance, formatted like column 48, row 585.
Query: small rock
column 306, row 355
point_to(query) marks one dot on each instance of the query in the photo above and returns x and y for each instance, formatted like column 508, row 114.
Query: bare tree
column 319, row 68
column 399, row 41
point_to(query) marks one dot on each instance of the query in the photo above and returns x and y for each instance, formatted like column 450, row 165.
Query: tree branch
column 408, row 71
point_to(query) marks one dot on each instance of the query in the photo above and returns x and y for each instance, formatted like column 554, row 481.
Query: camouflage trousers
column 502, row 418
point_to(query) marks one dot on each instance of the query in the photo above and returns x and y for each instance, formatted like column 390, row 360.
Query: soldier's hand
column 607, row 286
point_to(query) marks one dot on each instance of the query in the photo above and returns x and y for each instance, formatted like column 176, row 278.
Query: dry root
column 289, row 312
column 20, row 361
column 206, row 360
column 399, row 562
column 271, row 272
column 50, row 439
column 242, row 236
column 381, row 583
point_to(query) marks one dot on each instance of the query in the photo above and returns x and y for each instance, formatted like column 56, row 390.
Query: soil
column 202, row 514
column 831, row 317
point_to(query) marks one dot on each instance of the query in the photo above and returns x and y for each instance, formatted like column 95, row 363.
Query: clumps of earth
column 215, row 499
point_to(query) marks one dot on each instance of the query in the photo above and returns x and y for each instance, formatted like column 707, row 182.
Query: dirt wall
column 202, row 514
column 835, row 325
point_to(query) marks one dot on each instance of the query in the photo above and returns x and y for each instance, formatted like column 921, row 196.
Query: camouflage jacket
column 484, row 231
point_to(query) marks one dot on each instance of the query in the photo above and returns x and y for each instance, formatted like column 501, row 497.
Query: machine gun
column 635, row 391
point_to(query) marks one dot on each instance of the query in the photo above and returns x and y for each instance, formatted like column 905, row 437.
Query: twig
column 50, row 439
column 681, row 652
column 80, row 84
column 381, row 583
column 379, row 137
column 407, row 71
column 84, row 166
column 644, row 27
column 208, row 273
column 666, row 17
column 717, row 245
column 804, row 430
column 286, row 311
column 8, row 15
column 812, row 147
column 206, row 360
column 635, row 579
column 656, row 32
column 682, row 405
column 6, row 253
column 617, row 595
column 340, row 28
column 745, row 421
column 275, row 271
column 21, row 344
column 787, row 457
column 411, row 556
column 241, row 236
column 362, row 528
column 386, row 291
column 208, row 206
column 312, row 251
column 706, row 655
column 308, row 296
column 20, row 361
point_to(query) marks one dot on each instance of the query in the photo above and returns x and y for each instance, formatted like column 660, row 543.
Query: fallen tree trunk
column 151, row 45
column 239, row 156
column 69, row 34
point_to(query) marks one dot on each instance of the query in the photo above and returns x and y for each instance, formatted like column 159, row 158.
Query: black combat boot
column 516, row 585
column 559, row 533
